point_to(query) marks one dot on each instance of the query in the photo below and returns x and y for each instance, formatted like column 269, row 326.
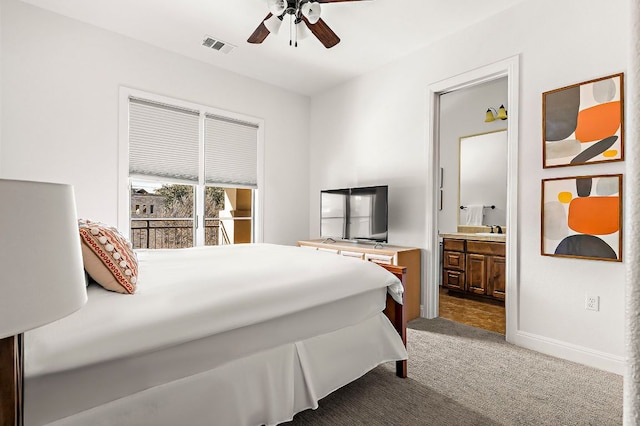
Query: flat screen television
column 358, row 214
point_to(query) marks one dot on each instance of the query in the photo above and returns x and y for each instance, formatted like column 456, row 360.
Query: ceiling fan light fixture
column 273, row 24
column 302, row 31
column 277, row 7
column 311, row 11
column 298, row 10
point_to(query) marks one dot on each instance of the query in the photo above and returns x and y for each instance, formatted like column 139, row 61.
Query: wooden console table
column 387, row 255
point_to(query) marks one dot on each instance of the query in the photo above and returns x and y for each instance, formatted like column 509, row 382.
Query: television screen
column 333, row 217
column 355, row 213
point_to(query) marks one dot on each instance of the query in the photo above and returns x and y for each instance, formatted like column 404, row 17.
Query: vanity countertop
column 476, row 237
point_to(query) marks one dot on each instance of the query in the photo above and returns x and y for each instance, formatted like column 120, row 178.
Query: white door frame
column 510, row 68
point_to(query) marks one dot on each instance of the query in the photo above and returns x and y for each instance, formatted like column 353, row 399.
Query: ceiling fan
column 304, row 15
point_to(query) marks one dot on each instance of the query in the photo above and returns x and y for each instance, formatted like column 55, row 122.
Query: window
column 192, row 173
column 170, row 226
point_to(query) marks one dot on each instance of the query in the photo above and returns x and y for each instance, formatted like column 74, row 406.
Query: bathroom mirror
column 483, row 178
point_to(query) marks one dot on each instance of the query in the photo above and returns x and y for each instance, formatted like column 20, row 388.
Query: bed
column 232, row 335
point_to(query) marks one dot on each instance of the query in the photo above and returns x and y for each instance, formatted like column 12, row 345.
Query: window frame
column 123, row 203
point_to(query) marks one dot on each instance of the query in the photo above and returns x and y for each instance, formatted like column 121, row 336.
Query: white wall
column 60, row 82
column 1, row 90
column 462, row 113
column 373, row 130
column 632, row 217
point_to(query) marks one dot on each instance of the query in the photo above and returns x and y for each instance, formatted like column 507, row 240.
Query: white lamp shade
column 311, row 11
column 273, row 24
column 41, row 270
column 302, row 31
column 277, row 7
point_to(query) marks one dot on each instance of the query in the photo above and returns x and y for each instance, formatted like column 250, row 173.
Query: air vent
column 215, row 44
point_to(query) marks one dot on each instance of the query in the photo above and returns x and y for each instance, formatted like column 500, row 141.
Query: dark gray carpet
column 459, row 375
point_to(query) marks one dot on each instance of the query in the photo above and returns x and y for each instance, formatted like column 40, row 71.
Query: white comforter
column 187, row 294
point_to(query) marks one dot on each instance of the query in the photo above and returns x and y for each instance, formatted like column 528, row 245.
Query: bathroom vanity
column 475, row 264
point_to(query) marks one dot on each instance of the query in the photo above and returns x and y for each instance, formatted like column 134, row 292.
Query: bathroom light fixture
column 500, row 114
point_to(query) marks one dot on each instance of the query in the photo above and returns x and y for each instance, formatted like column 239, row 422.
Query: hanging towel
column 474, row 214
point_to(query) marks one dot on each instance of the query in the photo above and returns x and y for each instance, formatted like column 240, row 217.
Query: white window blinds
column 163, row 141
column 230, row 148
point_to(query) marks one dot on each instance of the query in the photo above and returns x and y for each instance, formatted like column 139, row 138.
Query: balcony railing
column 155, row 233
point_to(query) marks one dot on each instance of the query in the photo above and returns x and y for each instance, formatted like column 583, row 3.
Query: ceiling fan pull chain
column 290, row 33
column 295, row 27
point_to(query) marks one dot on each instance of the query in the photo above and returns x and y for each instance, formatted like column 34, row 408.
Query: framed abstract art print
column 582, row 217
column 583, row 123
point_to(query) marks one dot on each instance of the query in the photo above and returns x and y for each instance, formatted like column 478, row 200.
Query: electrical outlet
column 592, row 303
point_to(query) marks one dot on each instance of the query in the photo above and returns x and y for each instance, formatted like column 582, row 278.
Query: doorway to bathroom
column 473, row 202
column 481, row 255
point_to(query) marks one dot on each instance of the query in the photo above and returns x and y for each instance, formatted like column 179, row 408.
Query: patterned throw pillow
column 108, row 257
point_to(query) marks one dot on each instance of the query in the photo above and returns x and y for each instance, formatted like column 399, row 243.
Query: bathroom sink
column 489, row 234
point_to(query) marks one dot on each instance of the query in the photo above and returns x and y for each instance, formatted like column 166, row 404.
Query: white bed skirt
column 265, row 388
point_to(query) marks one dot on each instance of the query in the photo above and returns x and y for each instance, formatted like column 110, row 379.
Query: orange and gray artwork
column 582, row 217
column 583, row 123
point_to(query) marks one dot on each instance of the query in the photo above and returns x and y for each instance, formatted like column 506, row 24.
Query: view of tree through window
column 162, row 215
column 213, row 204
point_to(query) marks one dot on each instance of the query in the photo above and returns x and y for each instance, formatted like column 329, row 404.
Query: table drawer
column 329, row 250
column 379, row 258
column 352, row 254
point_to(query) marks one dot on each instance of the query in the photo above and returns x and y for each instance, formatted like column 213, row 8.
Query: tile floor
column 477, row 313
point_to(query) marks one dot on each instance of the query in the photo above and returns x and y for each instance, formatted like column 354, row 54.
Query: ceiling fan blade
column 336, row 1
column 260, row 33
column 322, row 31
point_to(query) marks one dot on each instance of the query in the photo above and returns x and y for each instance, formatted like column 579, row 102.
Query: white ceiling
column 373, row 32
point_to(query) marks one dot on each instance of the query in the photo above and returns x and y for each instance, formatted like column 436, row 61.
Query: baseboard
column 592, row 358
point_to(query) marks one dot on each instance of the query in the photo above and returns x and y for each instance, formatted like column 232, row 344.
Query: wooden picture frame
column 582, row 217
column 584, row 123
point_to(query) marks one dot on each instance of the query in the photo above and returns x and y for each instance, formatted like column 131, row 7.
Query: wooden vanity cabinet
column 497, row 273
column 477, row 273
column 453, row 264
column 476, row 267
